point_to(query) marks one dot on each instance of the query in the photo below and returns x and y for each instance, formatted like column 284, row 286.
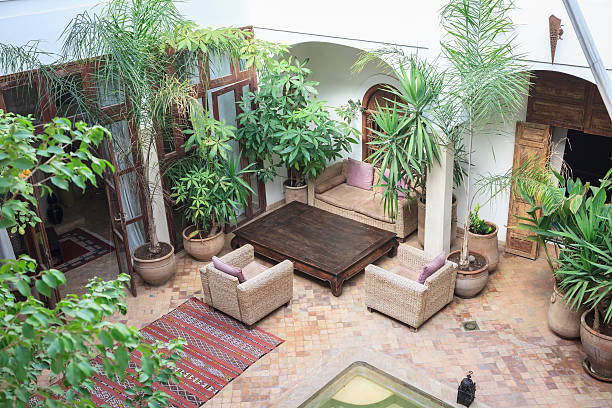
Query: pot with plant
column 478, row 31
column 584, row 273
column 210, row 194
column 145, row 55
column 482, row 238
column 284, row 125
column 553, row 202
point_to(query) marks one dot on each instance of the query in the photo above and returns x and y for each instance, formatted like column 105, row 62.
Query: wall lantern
column 554, row 27
column 466, row 391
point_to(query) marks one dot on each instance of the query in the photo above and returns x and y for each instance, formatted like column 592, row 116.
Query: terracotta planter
column 562, row 320
column 155, row 271
column 486, row 245
column 203, row 249
column 470, row 283
column 296, row 193
column 421, row 222
column 597, row 347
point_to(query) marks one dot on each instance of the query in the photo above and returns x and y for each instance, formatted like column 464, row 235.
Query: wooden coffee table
column 320, row 244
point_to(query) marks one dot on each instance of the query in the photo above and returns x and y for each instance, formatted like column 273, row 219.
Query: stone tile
column 517, row 361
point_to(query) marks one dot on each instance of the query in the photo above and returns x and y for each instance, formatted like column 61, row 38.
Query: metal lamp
column 466, row 391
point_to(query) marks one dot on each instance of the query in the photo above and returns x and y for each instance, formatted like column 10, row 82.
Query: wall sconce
column 554, row 26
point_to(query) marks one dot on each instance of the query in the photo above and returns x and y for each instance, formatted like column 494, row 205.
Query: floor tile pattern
column 517, row 361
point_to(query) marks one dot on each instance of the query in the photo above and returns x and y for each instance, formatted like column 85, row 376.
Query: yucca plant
column 486, row 75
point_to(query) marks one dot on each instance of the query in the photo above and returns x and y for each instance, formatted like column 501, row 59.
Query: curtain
column 6, row 248
column 128, row 183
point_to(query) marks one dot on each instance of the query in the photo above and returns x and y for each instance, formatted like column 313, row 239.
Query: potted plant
column 284, row 125
column 584, row 274
column 479, row 31
column 149, row 51
column 482, row 238
column 210, row 194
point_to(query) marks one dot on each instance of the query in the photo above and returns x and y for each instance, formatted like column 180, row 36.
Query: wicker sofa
column 359, row 204
column 397, row 293
column 265, row 290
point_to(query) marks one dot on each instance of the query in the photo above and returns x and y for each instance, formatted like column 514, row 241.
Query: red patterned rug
column 80, row 246
column 218, row 350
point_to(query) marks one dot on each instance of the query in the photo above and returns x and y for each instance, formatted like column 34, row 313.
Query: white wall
column 360, row 25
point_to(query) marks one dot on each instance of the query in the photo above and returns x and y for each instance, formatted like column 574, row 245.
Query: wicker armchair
column 265, row 290
column 397, row 293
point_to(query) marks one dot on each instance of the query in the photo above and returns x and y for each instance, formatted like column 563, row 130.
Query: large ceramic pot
column 295, row 193
column 597, row 347
column 486, row 245
column 203, row 249
column 421, row 222
column 470, row 283
column 155, row 269
column 562, row 320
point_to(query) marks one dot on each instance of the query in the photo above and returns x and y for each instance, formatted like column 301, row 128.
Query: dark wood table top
column 315, row 237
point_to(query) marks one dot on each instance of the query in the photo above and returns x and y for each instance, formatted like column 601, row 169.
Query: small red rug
column 80, row 246
column 219, row 348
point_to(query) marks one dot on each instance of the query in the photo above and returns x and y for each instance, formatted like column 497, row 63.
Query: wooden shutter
column 531, row 140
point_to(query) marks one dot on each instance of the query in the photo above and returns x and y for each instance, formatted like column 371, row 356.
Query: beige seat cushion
column 373, row 208
column 329, row 184
column 252, row 269
column 402, row 270
column 345, row 196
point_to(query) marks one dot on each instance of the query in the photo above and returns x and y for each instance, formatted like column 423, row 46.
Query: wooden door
column 531, row 140
column 125, row 207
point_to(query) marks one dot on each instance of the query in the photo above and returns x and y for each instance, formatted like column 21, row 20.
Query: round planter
column 486, row 245
column 296, row 193
column 562, row 320
column 597, row 347
column 470, row 283
column 421, row 222
column 155, row 271
column 203, row 249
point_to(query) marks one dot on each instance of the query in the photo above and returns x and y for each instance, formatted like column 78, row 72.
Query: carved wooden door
column 531, row 140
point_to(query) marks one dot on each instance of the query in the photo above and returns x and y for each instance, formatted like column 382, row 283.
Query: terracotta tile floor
column 517, row 361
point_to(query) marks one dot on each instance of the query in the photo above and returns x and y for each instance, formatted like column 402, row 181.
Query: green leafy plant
column 62, row 154
column 283, row 124
column 61, row 342
column 212, row 195
column 486, row 78
column 477, row 224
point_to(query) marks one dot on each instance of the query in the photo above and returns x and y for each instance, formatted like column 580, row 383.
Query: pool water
column 363, row 385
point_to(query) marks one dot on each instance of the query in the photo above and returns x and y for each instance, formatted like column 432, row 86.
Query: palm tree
column 486, row 76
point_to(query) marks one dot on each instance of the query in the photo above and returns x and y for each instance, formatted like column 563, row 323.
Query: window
column 376, row 97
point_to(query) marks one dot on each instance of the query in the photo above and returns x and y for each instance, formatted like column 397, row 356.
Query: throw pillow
column 230, row 270
column 432, row 267
column 360, row 174
column 329, row 184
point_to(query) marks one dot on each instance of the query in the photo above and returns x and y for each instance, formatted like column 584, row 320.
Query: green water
column 394, row 401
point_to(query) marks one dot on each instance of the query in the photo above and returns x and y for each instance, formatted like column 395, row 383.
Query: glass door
column 225, row 108
column 124, row 198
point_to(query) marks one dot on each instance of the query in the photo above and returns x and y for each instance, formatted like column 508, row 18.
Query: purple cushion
column 360, row 174
column 431, row 267
column 402, row 184
column 230, row 270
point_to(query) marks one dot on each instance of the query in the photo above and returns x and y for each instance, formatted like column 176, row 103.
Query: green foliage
column 486, row 79
column 62, row 341
column 62, row 154
column 283, row 124
column 210, row 194
column 408, row 143
column 576, row 219
column 477, row 224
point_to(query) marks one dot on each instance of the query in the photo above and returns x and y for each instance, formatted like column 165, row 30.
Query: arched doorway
column 378, row 96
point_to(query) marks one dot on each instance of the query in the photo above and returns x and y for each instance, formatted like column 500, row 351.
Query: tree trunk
column 154, row 246
column 464, row 262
